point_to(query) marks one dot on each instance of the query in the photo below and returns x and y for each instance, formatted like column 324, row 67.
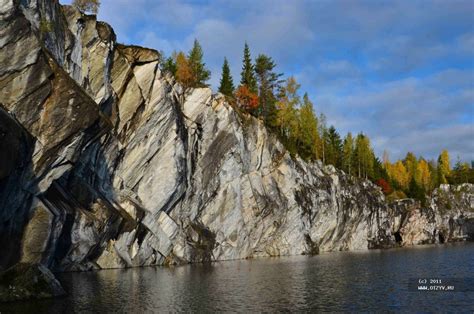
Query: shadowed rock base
column 25, row 281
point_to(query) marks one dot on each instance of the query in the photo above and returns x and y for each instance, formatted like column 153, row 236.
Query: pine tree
column 461, row 173
column 379, row 171
column 248, row 71
column 198, row 67
column 169, row 64
column 347, row 153
column 227, row 84
column 417, row 192
column 334, row 147
column 268, row 82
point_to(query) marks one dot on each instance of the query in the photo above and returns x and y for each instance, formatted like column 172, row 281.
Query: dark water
column 343, row 281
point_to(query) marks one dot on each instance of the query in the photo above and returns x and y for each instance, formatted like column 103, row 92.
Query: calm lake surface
column 341, row 281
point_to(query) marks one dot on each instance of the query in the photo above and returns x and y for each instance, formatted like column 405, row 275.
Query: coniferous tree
column 198, row 67
column 461, row 173
column 416, row 191
column 379, row 170
column 309, row 135
column 169, row 64
column 302, row 132
column 227, row 84
column 248, row 71
column 348, row 153
column 334, row 147
column 268, row 82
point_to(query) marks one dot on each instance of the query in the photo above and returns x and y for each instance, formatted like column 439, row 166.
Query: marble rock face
column 106, row 162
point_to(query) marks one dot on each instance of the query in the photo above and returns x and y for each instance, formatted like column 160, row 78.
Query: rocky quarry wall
column 106, row 162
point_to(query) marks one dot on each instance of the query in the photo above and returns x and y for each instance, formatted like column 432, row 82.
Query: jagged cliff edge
column 105, row 162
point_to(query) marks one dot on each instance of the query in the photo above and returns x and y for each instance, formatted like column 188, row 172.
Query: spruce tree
column 227, row 84
column 169, row 64
column 248, row 71
column 268, row 82
column 198, row 67
column 333, row 143
column 416, row 191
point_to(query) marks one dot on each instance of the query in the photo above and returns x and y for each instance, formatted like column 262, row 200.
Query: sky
column 401, row 72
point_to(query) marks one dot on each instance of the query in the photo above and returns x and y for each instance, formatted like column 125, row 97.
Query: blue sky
column 400, row 71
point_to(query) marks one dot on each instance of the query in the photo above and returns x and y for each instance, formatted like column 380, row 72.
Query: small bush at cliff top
column 87, row 5
column 396, row 195
column 386, row 188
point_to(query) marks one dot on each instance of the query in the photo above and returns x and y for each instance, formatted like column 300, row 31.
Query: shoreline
column 261, row 258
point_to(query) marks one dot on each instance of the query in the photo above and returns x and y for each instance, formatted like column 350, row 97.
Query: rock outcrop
column 26, row 281
column 106, row 162
column 449, row 218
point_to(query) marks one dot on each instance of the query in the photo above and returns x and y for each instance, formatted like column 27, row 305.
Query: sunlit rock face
column 106, row 162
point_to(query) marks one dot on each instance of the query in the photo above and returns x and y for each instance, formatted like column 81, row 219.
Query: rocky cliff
column 106, row 162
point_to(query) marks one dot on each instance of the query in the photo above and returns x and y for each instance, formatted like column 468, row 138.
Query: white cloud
column 419, row 115
column 150, row 39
